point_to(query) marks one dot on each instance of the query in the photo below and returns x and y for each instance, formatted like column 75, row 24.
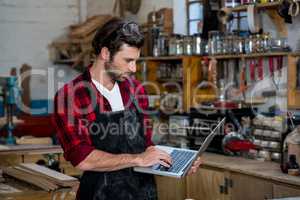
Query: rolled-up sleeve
column 72, row 135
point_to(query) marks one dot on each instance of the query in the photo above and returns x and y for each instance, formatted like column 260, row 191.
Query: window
column 239, row 22
column 195, row 16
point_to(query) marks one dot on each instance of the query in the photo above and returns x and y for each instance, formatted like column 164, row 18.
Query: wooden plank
column 293, row 93
column 89, row 26
column 31, row 149
column 32, row 195
column 38, row 195
column 231, row 56
column 9, row 160
column 191, row 79
column 33, row 158
column 253, row 55
column 46, row 172
column 162, row 58
column 19, row 175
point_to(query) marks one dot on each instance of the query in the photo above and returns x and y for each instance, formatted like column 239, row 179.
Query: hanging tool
column 212, row 71
column 271, row 67
column 279, row 60
column 271, row 71
column 252, row 70
column 243, row 82
column 260, row 68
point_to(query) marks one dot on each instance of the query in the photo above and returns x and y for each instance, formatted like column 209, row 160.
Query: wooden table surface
column 261, row 169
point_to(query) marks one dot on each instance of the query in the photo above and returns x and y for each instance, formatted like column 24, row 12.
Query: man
column 101, row 121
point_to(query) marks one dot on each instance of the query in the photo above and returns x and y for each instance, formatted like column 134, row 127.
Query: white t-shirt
column 113, row 96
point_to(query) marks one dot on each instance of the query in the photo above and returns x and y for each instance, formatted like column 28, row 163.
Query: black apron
column 122, row 184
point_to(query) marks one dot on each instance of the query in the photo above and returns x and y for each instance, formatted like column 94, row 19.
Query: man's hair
column 116, row 32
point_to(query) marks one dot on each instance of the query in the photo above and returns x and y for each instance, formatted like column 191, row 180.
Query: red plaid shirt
column 76, row 101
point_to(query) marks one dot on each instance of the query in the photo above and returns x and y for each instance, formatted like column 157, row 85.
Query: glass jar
column 230, row 44
column 234, row 44
column 215, row 42
column 225, row 45
column 251, row 44
column 245, row 2
column 155, row 48
column 232, row 3
column 162, row 45
column 266, row 42
column 179, row 45
column 279, row 44
column 259, row 43
column 237, row 45
column 246, row 43
column 188, row 45
column 198, row 45
column 241, row 45
column 172, row 45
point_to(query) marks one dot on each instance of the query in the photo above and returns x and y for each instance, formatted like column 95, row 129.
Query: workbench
column 235, row 178
column 220, row 178
column 30, row 192
column 13, row 155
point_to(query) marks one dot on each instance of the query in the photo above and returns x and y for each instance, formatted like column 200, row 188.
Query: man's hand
column 195, row 166
column 154, row 156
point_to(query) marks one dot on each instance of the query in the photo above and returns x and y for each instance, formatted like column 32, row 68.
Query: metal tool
column 252, row 70
column 271, row 71
column 10, row 92
column 243, row 82
column 260, row 69
column 279, row 60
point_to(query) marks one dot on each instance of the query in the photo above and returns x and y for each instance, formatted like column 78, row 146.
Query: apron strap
column 132, row 98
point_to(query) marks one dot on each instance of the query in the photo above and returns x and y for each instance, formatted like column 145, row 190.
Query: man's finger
column 164, row 164
column 196, row 163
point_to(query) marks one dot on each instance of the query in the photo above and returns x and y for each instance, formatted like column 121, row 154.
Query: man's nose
column 132, row 67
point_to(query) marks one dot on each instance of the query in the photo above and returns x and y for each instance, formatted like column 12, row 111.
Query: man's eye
column 128, row 60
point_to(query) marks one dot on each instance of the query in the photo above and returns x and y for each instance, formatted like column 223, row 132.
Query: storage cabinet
column 207, row 184
column 192, row 95
column 282, row 191
column 249, row 188
column 211, row 183
column 170, row 188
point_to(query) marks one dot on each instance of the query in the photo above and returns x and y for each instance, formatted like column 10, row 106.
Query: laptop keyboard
column 179, row 158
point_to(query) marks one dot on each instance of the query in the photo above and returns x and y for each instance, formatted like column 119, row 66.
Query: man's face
column 123, row 64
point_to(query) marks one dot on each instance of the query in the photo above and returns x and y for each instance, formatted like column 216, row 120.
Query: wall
column 293, row 30
column 26, row 29
column 106, row 7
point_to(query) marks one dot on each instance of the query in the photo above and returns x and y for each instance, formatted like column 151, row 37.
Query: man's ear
column 105, row 54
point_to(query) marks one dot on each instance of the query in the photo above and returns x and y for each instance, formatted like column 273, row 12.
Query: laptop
column 182, row 158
